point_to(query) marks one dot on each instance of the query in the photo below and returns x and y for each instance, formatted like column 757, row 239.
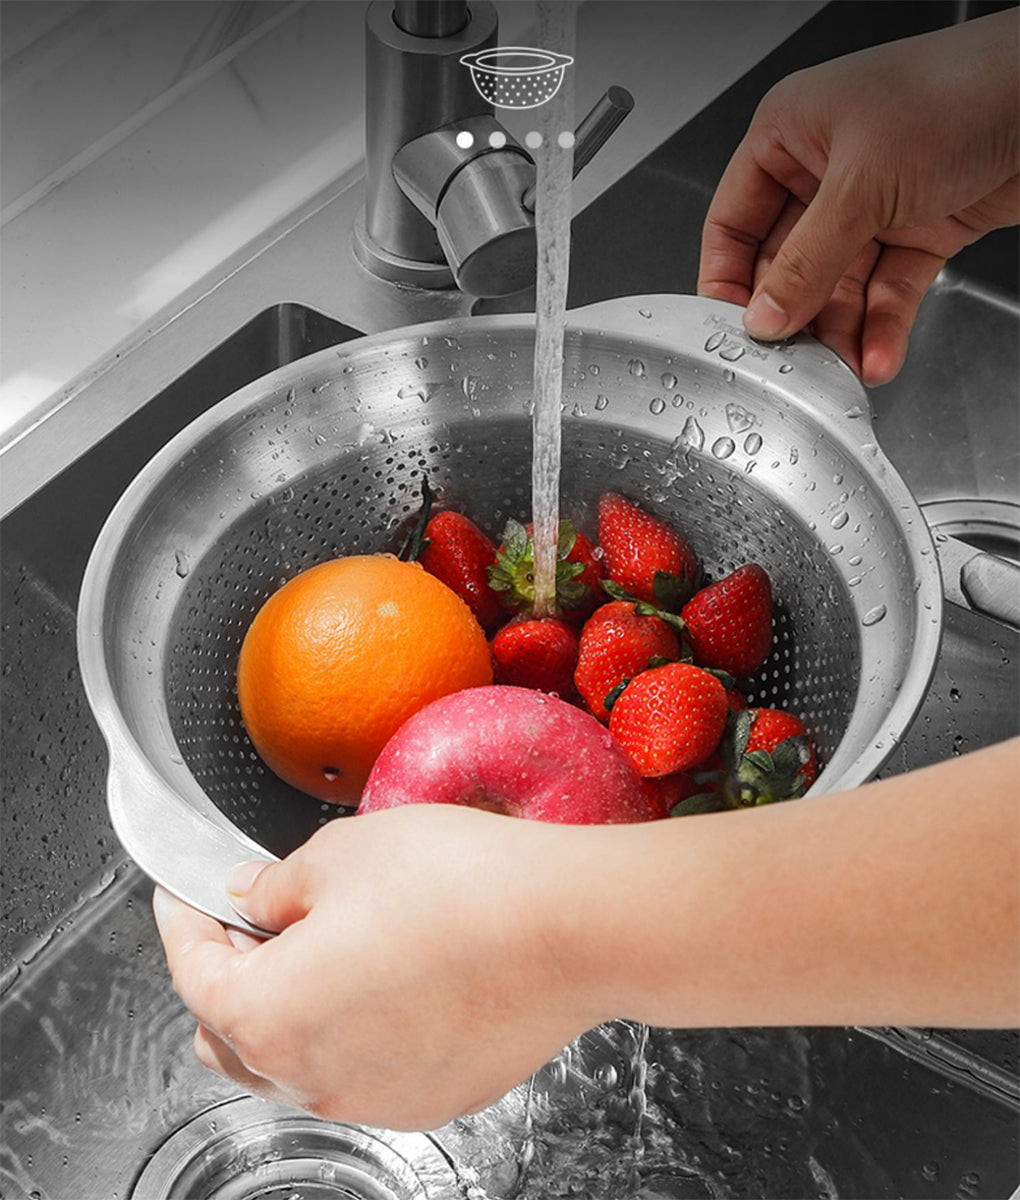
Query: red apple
column 509, row 750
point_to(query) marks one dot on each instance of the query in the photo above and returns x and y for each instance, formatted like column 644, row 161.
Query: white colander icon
column 517, row 76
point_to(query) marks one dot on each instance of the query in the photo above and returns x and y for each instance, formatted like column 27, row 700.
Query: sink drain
column 249, row 1149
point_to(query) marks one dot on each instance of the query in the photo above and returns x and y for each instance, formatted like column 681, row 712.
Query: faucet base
column 394, row 269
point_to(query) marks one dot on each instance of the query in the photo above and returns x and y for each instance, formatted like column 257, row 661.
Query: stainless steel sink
column 98, row 1071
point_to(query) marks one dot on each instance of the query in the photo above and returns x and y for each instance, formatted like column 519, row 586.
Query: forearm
column 894, row 904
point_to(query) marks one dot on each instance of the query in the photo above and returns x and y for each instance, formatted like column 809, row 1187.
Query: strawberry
column 670, row 718
column 457, row 552
column 578, row 571
column 668, row 791
column 769, row 756
column 729, row 623
column 536, row 653
column 617, row 643
column 643, row 555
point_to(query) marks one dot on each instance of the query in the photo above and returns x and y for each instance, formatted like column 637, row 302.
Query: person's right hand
column 855, row 182
column 426, row 963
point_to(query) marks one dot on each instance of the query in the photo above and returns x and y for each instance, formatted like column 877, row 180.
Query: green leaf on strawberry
column 614, row 695
column 414, row 545
column 756, row 775
column 513, row 573
column 673, row 591
column 703, row 802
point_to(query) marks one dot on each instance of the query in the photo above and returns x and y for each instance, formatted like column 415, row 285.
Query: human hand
column 422, row 969
column 855, row 182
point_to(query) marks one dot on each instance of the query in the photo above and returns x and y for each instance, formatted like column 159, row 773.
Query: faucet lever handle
column 593, row 133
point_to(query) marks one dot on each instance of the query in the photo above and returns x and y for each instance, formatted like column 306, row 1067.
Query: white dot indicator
column 566, row 139
column 497, row 139
column 533, row 139
column 465, row 139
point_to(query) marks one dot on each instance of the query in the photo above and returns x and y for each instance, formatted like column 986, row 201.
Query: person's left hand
column 422, row 969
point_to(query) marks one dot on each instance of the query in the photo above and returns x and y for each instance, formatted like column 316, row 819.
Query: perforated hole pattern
column 363, row 502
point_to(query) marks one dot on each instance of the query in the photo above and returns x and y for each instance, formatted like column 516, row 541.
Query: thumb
column 271, row 895
column 812, row 259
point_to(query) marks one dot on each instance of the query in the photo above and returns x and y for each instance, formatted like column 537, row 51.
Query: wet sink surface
column 98, row 1069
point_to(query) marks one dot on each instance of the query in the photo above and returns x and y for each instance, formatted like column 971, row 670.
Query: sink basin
column 98, row 1071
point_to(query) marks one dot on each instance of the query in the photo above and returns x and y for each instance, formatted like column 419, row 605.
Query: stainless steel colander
column 753, row 452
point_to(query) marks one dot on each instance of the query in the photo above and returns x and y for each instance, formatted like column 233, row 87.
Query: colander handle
column 176, row 846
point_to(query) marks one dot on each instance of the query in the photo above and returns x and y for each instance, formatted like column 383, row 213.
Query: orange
column 341, row 656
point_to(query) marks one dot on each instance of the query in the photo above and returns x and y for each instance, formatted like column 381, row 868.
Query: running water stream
column 554, row 160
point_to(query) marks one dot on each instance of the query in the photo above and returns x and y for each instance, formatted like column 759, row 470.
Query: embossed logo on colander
column 517, row 76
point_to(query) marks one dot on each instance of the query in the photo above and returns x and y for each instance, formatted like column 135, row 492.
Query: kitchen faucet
column 449, row 193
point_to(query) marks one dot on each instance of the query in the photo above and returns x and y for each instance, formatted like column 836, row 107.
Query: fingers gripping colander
column 755, row 453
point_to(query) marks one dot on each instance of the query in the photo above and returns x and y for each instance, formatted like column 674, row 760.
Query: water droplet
column 786, row 368
column 870, row 449
column 607, row 1076
column 637, row 368
column 657, row 406
column 182, row 566
column 752, row 443
column 728, row 375
column 715, row 341
column 954, row 695
column 577, row 411
column 723, row 447
column 836, row 549
column 732, row 353
column 594, row 369
column 738, row 418
column 837, row 478
column 669, row 380
column 874, row 615
column 601, row 402
column 930, row 1170
column 839, row 520
column 320, row 440
column 645, row 312
column 421, row 362
column 854, row 580
column 692, row 436
column 855, row 560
